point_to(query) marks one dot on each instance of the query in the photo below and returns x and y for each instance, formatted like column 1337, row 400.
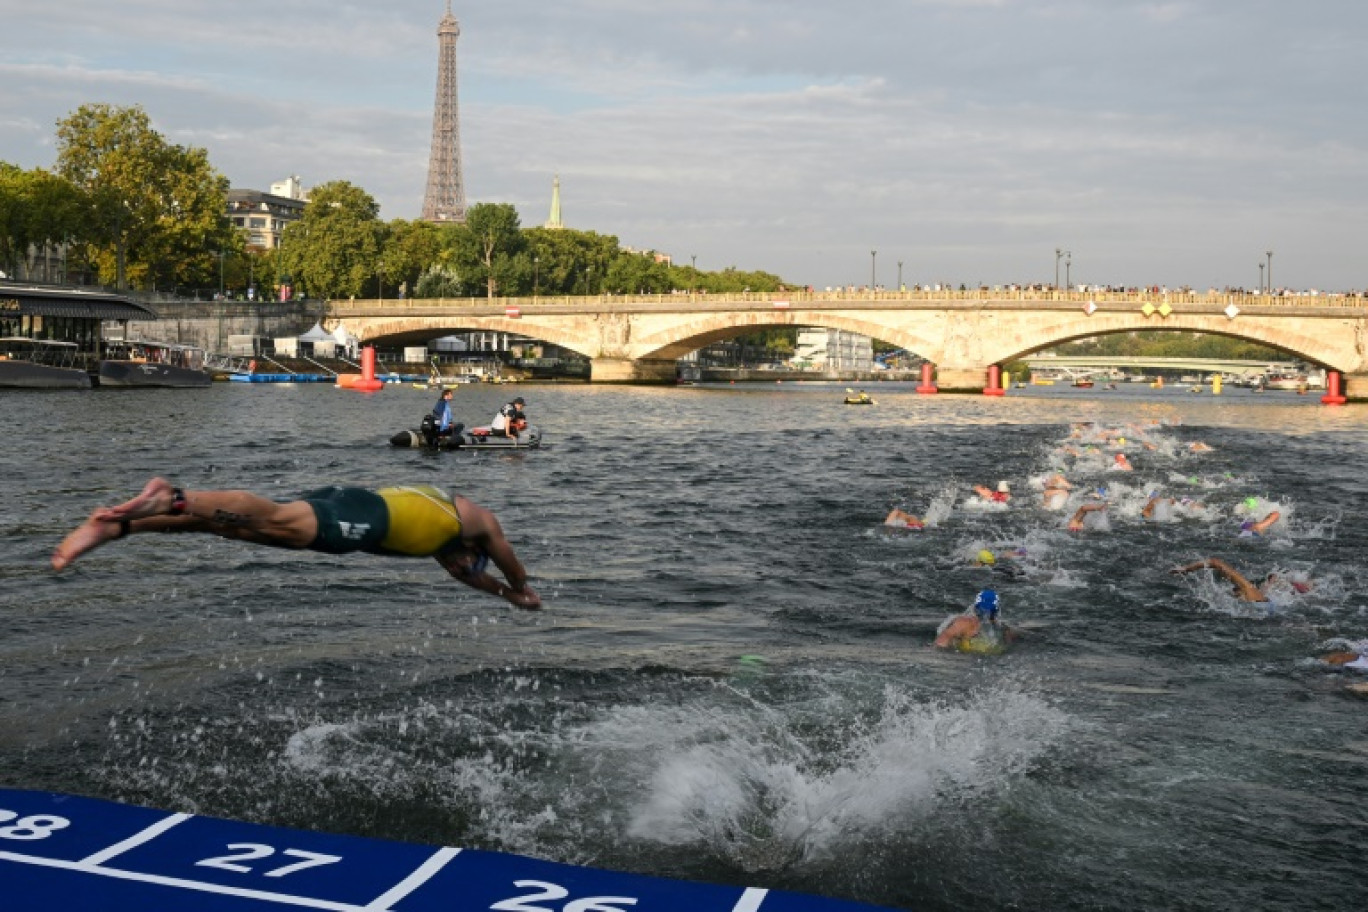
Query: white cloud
column 1164, row 142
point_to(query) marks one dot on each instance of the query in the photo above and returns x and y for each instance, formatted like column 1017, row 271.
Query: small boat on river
column 478, row 438
column 41, row 364
column 137, row 363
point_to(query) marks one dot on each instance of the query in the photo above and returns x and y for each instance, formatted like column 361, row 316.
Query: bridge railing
column 976, row 297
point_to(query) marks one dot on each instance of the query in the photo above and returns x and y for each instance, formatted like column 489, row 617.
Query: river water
column 733, row 678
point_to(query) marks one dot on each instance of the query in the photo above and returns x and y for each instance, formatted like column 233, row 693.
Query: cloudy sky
column 1158, row 141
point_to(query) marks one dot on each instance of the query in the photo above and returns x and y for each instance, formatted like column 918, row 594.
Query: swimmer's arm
column 481, row 528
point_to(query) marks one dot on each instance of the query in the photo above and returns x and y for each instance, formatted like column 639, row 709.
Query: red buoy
column 994, row 387
column 927, row 385
column 368, row 383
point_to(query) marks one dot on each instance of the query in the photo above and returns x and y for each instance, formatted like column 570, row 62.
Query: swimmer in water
column 1198, row 446
column 1244, row 589
column 1254, row 529
column 1078, row 522
column 976, row 630
column 1001, row 495
column 1122, row 464
column 1358, row 661
column 1056, row 494
column 901, row 519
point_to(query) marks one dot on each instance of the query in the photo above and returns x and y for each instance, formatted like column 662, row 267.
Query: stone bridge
column 964, row 334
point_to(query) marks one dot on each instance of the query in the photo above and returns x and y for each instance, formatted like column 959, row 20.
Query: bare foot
column 155, row 500
column 88, row 536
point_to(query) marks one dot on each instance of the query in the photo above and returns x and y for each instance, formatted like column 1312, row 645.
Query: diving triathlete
column 419, row 521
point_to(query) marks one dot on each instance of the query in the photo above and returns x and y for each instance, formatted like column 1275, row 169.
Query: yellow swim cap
column 986, row 557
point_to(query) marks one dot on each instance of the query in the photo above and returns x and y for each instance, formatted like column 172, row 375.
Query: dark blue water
column 1151, row 743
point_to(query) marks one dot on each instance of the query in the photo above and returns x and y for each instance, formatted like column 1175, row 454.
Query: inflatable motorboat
column 479, row 438
column 861, row 399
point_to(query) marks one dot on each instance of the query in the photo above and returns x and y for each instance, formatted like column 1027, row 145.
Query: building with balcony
column 262, row 217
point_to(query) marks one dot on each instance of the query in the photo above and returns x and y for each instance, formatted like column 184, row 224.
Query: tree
column 334, row 249
column 637, row 273
column 146, row 203
column 496, row 241
column 411, row 249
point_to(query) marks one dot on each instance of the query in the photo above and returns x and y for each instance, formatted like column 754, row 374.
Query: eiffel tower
column 445, row 197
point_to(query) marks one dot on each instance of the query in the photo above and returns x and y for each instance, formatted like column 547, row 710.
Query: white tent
column 346, row 342
column 317, row 334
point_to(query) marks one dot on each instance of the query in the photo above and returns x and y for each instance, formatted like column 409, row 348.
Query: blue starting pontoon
column 64, row 852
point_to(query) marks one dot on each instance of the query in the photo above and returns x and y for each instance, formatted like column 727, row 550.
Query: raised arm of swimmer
column 1246, row 590
column 1081, row 515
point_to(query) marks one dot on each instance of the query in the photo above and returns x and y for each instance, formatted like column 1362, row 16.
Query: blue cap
column 986, row 603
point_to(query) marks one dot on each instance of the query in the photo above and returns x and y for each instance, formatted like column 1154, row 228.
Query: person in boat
column 1001, row 495
column 442, row 413
column 510, row 419
column 977, row 630
column 1244, row 589
column 1056, row 493
column 1079, row 521
column 900, row 519
column 418, row 521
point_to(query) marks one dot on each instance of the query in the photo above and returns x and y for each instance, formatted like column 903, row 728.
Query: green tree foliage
column 334, row 249
column 637, row 273
column 36, row 208
column 148, row 207
column 492, row 252
column 565, row 261
column 411, row 248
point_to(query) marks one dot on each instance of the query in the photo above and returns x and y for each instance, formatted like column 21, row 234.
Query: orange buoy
column 927, row 385
column 368, row 383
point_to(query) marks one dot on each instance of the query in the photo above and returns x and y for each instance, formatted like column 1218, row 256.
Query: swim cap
column 986, row 603
column 986, row 557
column 1002, row 487
column 1251, row 503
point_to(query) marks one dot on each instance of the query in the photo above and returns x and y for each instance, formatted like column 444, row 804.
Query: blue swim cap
column 986, row 603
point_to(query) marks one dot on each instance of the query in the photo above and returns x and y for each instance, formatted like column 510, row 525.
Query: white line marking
column 415, row 880
column 137, row 839
column 159, row 880
column 750, row 900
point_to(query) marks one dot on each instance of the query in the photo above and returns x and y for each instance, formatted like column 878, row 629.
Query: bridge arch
column 1282, row 337
column 423, row 329
column 677, row 341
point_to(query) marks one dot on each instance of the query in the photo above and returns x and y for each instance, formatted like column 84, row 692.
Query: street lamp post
column 1261, row 278
column 1068, row 265
column 900, row 284
column 1270, row 270
column 220, row 273
column 536, row 286
column 873, row 270
column 380, row 282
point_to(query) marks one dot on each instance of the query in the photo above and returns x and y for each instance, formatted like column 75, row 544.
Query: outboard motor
column 428, row 430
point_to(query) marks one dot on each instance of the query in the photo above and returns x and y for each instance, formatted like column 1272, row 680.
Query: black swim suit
column 349, row 519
